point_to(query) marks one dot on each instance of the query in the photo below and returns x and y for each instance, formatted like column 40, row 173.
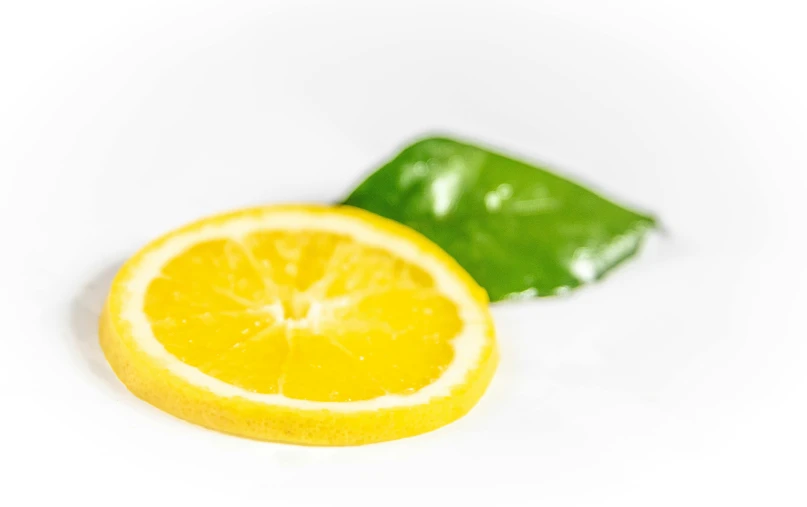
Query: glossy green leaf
column 519, row 230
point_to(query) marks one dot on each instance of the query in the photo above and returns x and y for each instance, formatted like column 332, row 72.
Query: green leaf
column 519, row 230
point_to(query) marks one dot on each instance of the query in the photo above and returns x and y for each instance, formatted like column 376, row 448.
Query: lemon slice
column 305, row 324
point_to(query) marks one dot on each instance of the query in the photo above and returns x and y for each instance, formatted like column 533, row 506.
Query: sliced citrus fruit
column 306, row 324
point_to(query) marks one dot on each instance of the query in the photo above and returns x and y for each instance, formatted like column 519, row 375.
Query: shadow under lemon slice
column 304, row 324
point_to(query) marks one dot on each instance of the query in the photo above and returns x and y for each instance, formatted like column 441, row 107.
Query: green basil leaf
column 519, row 230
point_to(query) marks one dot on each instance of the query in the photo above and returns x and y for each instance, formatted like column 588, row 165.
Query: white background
column 679, row 381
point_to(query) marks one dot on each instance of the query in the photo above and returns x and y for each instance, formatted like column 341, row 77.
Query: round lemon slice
column 303, row 324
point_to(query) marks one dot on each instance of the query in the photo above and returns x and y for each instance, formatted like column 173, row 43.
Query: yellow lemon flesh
column 305, row 324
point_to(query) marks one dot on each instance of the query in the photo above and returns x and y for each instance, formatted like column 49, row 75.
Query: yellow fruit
column 306, row 324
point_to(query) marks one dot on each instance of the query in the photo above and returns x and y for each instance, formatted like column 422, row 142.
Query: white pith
column 468, row 344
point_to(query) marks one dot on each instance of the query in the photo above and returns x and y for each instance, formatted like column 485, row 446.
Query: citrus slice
column 305, row 324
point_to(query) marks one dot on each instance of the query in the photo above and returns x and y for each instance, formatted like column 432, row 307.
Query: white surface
column 680, row 381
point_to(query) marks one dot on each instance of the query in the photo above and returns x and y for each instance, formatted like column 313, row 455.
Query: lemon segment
column 305, row 324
